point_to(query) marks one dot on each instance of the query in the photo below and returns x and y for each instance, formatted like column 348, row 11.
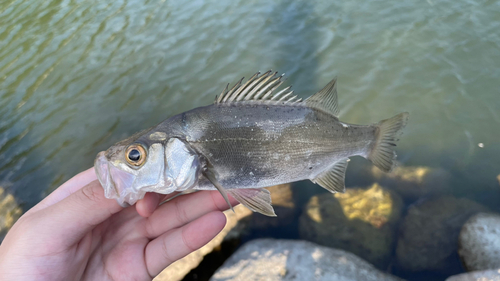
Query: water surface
column 77, row 76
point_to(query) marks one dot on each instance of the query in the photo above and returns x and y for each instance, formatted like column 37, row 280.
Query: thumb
column 76, row 215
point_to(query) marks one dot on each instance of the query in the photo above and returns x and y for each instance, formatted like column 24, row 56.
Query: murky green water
column 77, row 76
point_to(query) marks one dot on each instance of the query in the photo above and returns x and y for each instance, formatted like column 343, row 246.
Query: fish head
column 130, row 168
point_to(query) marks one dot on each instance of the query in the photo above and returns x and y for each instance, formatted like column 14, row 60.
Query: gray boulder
column 274, row 260
column 428, row 236
column 479, row 242
column 361, row 221
column 487, row 275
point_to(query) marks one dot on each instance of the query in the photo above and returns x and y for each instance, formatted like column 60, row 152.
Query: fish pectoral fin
column 333, row 179
column 255, row 199
column 210, row 175
column 326, row 99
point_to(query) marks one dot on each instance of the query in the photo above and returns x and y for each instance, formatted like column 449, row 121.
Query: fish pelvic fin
column 333, row 178
column 382, row 154
column 211, row 176
column 326, row 99
column 255, row 199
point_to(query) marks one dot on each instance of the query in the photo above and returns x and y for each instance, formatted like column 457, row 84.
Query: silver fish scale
column 254, row 145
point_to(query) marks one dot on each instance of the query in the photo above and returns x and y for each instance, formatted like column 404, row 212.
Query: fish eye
column 135, row 155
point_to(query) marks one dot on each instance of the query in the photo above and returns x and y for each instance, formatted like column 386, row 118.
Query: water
column 77, row 76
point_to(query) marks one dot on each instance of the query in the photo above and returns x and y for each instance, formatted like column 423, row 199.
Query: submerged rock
column 479, row 242
column 487, row 275
column 274, row 260
column 428, row 238
column 361, row 221
column 413, row 182
column 9, row 212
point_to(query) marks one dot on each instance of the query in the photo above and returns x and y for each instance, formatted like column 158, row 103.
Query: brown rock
column 9, row 212
column 413, row 182
column 428, row 238
column 361, row 221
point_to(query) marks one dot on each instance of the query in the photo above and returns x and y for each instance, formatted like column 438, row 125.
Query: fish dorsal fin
column 258, row 88
column 333, row 178
column 326, row 99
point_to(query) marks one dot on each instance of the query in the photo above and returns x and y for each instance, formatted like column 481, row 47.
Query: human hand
column 77, row 234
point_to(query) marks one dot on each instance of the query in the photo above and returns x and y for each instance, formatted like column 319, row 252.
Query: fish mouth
column 117, row 183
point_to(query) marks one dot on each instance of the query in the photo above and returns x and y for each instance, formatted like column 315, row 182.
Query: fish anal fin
column 333, row 179
column 211, row 176
column 326, row 99
column 255, row 199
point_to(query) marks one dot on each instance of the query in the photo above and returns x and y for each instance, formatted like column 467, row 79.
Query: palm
column 77, row 234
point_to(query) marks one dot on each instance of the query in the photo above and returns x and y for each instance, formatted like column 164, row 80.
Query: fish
column 253, row 136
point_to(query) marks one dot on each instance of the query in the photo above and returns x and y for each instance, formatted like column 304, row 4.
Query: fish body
column 248, row 139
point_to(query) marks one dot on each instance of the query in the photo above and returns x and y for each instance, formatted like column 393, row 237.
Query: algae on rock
column 361, row 221
column 9, row 212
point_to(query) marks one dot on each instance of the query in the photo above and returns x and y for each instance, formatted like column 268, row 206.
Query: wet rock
column 273, row 260
column 361, row 221
column 479, row 242
column 232, row 230
column 487, row 275
column 428, row 239
column 9, row 212
column 413, row 182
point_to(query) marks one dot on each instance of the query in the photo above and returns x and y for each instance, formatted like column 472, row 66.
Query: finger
column 184, row 209
column 66, row 189
column 74, row 216
column 176, row 244
column 146, row 206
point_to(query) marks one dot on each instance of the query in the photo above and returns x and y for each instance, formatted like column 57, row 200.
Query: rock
column 9, row 212
column 479, row 242
column 413, row 182
column 487, row 275
column 428, row 238
column 273, row 260
column 361, row 221
column 232, row 230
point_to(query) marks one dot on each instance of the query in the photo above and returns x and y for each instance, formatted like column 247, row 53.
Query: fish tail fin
column 382, row 155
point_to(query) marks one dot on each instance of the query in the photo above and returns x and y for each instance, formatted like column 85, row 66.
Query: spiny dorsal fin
column 258, row 88
column 333, row 179
column 326, row 99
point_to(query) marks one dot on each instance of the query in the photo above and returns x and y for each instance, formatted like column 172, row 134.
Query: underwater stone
column 428, row 235
column 9, row 212
column 276, row 260
column 413, row 182
column 479, row 242
column 361, row 221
